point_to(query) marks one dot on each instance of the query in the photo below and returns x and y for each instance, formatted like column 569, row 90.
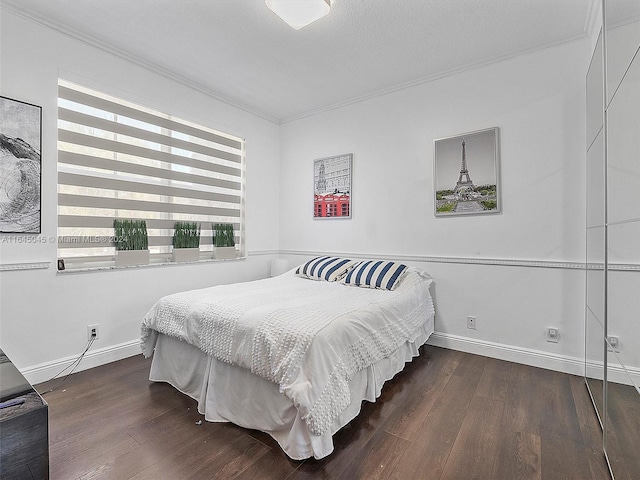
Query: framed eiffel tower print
column 466, row 174
column 332, row 186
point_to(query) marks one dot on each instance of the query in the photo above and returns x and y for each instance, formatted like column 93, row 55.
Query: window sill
column 109, row 266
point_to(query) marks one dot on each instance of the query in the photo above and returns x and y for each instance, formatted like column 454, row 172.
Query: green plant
column 447, row 207
column 186, row 235
column 440, row 194
column 489, row 204
column 130, row 234
column 223, row 235
column 490, row 189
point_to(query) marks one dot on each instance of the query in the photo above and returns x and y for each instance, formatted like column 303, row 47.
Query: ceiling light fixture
column 299, row 13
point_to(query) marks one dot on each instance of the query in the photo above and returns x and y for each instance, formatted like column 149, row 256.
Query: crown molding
column 433, row 78
column 593, row 22
column 94, row 42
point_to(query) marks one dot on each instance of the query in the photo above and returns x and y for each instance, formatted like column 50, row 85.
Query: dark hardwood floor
column 448, row 415
column 623, row 427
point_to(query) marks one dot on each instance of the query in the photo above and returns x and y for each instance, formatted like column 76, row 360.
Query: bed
column 295, row 355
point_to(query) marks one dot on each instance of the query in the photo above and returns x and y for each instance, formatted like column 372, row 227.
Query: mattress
column 316, row 348
column 228, row 393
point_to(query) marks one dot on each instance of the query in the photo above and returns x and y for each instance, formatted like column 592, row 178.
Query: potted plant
column 224, row 241
column 131, row 241
column 186, row 242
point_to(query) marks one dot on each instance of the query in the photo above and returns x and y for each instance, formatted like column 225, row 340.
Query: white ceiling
column 240, row 51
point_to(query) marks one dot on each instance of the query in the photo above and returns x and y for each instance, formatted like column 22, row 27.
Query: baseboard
column 93, row 358
column 526, row 356
column 534, row 358
column 624, row 375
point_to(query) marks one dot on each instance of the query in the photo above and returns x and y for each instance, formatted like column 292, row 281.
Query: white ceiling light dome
column 299, row 13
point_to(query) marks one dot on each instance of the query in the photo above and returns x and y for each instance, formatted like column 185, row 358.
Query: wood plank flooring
column 623, row 431
column 448, row 415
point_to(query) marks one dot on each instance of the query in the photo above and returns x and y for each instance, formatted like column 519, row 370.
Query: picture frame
column 20, row 166
column 332, row 182
column 466, row 174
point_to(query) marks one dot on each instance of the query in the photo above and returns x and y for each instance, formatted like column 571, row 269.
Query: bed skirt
column 228, row 393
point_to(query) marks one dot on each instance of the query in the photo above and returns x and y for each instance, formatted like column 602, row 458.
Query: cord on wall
column 72, row 365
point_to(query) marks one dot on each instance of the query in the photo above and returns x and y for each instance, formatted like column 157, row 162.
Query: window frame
column 118, row 159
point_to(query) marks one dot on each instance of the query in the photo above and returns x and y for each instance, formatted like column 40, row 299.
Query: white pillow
column 326, row 268
column 376, row 274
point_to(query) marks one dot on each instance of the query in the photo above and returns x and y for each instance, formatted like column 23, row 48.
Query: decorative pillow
column 376, row 274
column 326, row 268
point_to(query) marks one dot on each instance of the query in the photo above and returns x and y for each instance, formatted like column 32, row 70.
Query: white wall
column 513, row 270
column 537, row 101
column 44, row 314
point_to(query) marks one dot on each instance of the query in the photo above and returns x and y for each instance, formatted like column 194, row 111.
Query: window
column 120, row 160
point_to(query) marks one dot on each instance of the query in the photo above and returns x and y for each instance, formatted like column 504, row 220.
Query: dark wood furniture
column 24, row 427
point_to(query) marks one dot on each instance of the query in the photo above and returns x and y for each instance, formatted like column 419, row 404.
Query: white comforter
column 310, row 337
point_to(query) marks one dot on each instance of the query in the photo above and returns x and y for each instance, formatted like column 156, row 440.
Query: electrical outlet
column 613, row 344
column 471, row 322
column 93, row 331
column 553, row 334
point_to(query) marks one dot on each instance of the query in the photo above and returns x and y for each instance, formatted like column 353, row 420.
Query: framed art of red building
column 331, row 205
column 332, row 186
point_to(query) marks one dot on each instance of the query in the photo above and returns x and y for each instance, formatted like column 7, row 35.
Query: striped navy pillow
column 326, row 268
column 376, row 274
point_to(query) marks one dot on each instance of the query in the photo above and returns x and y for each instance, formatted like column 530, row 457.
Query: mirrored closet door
column 613, row 236
column 622, row 432
column 595, row 222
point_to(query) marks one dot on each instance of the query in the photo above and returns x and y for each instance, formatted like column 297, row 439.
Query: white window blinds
column 120, row 160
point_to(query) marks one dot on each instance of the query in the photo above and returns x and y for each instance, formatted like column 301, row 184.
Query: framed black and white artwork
column 20, row 166
column 332, row 186
column 466, row 174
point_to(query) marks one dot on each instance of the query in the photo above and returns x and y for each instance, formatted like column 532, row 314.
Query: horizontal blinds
column 120, row 160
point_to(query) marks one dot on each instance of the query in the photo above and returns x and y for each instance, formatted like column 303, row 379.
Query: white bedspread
column 309, row 337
